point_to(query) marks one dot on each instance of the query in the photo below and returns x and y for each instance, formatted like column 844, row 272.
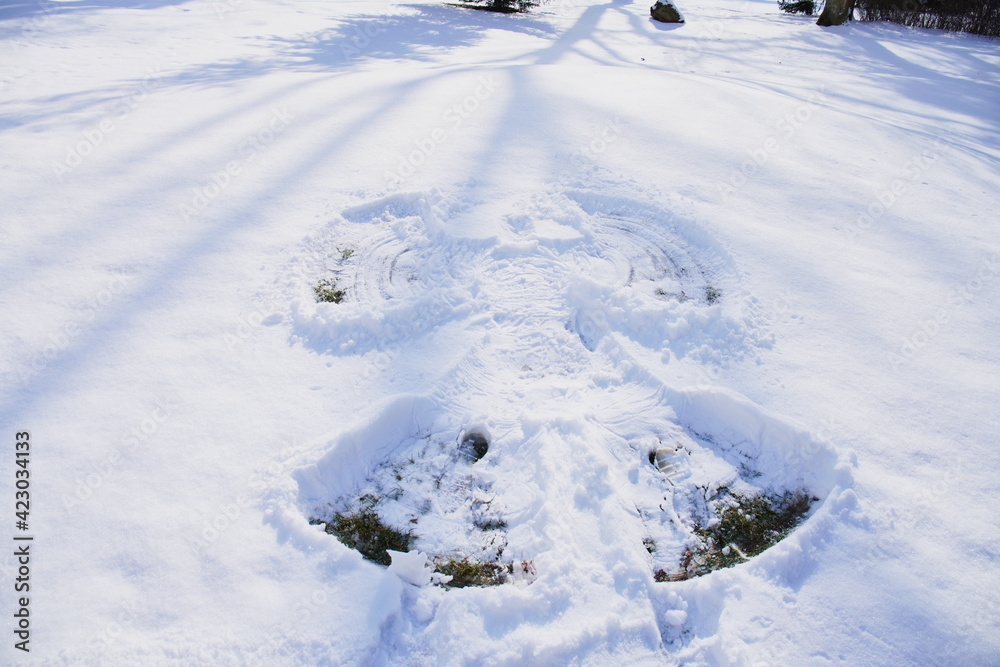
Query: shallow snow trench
column 597, row 475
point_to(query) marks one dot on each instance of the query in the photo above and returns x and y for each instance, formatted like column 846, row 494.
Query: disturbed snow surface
column 579, row 232
column 544, row 311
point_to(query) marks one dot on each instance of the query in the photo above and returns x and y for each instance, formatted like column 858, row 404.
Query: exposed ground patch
column 429, row 497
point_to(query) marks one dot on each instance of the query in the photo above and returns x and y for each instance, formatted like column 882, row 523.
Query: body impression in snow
column 543, row 446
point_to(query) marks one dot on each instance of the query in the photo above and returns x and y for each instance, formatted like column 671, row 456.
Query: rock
column 665, row 12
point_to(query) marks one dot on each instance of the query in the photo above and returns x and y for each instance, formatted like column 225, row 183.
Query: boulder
column 665, row 12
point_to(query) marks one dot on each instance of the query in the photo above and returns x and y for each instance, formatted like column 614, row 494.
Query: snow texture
column 650, row 264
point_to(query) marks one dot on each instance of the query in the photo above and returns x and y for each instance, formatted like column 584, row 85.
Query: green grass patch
column 712, row 294
column 750, row 525
column 747, row 526
column 364, row 530
column 465, row 572
column 326, row 291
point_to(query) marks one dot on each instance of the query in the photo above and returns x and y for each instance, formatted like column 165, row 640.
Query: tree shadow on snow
column 426, row 35
column 19, row 9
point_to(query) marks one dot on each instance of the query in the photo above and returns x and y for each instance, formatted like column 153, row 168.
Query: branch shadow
column 19, row 9
column 426, row 36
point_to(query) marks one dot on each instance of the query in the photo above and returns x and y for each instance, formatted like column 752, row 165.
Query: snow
column 763, row 249
column 411, row 567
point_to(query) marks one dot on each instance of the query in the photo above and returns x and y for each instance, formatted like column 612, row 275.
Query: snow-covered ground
column 768, row 246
